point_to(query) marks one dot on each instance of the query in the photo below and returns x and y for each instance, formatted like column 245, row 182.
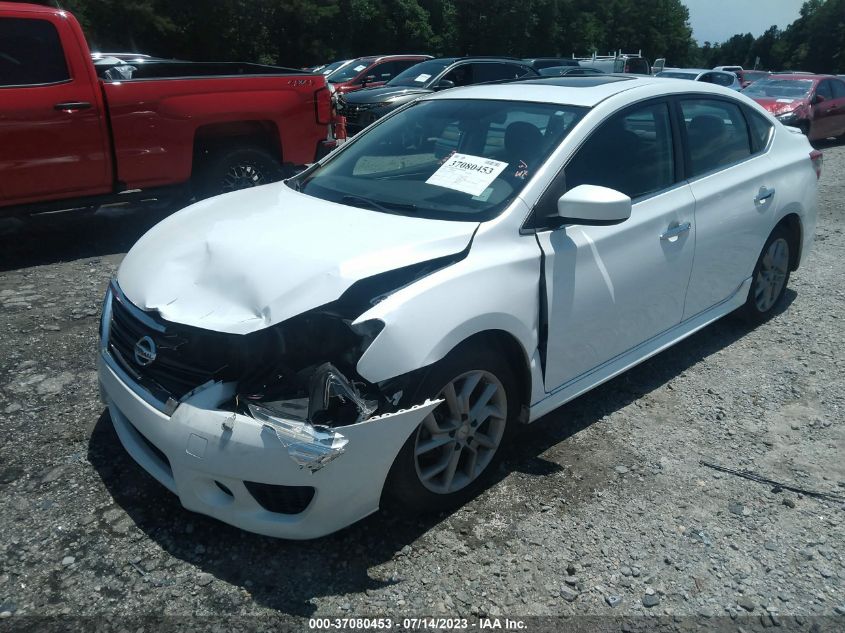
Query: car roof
column 586, row 91
column 29, row 8
column 799, row 76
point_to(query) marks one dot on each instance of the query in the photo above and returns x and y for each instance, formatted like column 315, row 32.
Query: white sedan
column 287, row 358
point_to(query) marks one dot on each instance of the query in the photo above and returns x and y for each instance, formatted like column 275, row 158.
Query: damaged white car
column 286, row 357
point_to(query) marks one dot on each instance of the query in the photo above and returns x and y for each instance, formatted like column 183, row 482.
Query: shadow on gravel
column 70, row 235
column 285, row 575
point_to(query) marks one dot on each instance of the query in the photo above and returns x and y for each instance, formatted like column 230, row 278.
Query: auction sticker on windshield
column 423, row 77
column 466, row 173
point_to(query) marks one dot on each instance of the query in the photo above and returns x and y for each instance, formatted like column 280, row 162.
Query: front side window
column 838, row 89
column 453, row 159
column 496, row 72
column 825, row 89
column 30, row 53
column 716, row 133
column 631, row 153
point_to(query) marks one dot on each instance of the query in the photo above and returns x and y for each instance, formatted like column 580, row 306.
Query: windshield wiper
column 386, row 207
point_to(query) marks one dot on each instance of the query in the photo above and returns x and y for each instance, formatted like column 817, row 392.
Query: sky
column 716, row 20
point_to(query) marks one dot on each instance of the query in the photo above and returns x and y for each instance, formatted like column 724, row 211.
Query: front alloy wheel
column 457, row 441
column 448, row 459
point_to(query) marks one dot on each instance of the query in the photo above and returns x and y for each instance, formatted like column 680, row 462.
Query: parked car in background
column 748, row 77
column 569, row 71
column 327, row 69
column 538, row 63
column 365, row 106
column 125, row 57
column 717, row 77
column 370, row 72
column 74, row 136
column 815, row 104
column 378, row 327
column 619, row 62
column 730, row 69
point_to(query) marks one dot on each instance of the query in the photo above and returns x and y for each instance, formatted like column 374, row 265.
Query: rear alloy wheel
column 771, row 276
column 447, row 460
column 237, row 169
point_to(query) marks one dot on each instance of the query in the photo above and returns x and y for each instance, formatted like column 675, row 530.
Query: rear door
column 54, row 143
column 730, row 175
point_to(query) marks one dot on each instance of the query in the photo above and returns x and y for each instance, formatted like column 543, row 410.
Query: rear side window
column 636, row 65
column 761, row 130
column 631, row 153
column 825, row 89
column 30, row 53
column 716, row 133
column 838, row 89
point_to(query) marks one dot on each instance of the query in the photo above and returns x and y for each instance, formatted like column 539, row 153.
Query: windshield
column 452, row 159
column 420, row 74
column 350, row 71
column 328, row 69
column 779, row 88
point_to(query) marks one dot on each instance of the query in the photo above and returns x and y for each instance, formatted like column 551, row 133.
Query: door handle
column 70, row 106
column 675, row 231
column 764, row 194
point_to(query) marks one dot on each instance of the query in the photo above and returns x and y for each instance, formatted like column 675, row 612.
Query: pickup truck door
column 611, row 288
column 54, row 140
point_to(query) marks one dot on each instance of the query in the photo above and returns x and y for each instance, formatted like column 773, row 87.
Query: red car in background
column 813, row 103
column 370, row 72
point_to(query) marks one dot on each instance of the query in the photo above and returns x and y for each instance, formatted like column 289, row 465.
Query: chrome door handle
column 675, row 231
column 764, row 194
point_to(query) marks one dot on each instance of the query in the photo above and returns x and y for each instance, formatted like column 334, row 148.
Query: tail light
column 817, row 158
column 323, row 105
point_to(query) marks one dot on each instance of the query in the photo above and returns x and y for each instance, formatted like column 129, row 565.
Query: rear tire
column 235, row 169
column 770, row 278
column 449, row 458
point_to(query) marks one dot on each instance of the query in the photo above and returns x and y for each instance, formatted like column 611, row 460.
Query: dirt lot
column 600, row 508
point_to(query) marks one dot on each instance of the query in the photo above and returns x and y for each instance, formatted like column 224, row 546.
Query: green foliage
column 300, row 32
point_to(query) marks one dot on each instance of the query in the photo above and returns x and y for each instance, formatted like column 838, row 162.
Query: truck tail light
column 323, row 104
column 817, row 158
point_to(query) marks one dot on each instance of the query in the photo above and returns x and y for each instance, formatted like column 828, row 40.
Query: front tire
column 448, row 459
column 770, row 278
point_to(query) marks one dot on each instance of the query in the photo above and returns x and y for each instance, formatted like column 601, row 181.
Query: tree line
column 307, row 32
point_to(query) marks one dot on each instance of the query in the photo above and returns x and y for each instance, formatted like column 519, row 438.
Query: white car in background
column 717, row 77
column 284, row 358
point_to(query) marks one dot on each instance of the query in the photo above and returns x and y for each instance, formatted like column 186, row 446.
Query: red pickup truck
column 70, row 137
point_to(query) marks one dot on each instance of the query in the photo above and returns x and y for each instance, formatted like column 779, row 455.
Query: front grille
column 184, row 358
column 281, row 499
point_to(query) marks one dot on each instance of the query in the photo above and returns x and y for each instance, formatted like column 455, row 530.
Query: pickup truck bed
column 75, row 133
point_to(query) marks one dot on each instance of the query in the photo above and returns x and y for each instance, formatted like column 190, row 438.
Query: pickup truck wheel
column 236, row 169
column 771, row 275
column 449, row 457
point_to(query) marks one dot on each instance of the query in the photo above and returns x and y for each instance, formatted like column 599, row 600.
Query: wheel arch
column 791, row 222
column 234, row 134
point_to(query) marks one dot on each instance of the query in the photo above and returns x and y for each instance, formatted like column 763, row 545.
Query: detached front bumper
column 235, row 469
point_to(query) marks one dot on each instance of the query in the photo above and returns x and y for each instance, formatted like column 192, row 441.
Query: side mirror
column 817, row 99
column 592, row 205
column 444, row 84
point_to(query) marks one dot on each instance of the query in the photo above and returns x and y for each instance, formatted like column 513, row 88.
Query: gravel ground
column 601, row 508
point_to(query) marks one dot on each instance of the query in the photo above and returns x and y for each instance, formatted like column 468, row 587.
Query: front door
column 610, row 288
column 53, row 142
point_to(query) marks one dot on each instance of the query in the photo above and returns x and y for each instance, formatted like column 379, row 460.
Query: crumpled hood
column 780, row 106
column 246, row 260
column 378, row 95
